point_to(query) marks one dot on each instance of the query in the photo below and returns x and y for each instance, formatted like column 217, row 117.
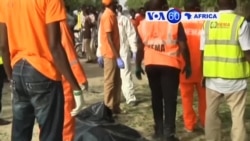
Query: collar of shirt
column 226, row 11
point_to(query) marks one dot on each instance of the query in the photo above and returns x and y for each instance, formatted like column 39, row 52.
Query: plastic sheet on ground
column 95, row 123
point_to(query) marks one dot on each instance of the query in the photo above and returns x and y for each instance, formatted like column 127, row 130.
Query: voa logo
column 156, row 15
column 172, row 16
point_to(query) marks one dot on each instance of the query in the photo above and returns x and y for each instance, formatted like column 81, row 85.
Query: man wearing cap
column 110, row 47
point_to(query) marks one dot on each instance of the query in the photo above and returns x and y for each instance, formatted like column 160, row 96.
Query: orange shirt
column 139, row 19
column 27, row 34
column 192, row 30
column 135, row 23
column 68, row 45
column 109, row 23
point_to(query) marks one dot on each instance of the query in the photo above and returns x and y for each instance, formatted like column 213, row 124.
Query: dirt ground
column 138, row 117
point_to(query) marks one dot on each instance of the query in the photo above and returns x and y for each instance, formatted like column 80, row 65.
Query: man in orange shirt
column 35, row 61
column 110, row 48
column 69, row 103
column 133, row 20
column 141, row 15
column 187, row 86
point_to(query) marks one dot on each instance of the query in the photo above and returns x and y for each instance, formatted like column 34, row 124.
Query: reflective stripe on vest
column 232, row 41
column 223, row 57
column 168, row 42
column 73, row 62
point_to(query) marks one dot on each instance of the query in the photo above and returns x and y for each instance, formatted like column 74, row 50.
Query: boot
column 158, row 135
column 172, row 138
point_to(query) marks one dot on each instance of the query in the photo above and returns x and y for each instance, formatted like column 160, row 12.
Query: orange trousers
column 187, row 96
column 69, row 105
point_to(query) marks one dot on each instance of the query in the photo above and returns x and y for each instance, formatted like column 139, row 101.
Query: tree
column 135, row 4
column 75, row 4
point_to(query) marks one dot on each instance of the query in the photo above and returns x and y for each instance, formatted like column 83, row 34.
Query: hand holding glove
column 78, row 96
column 120, row 63
column 100, row 62
column 138, row 72
column 188, row 71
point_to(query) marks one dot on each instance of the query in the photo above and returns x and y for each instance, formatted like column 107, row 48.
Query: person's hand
column 134, row 56
column 188, row 71
column 138, row 72
column 78, row 96
column 100, row 62
column 120, row 63
column 203, row 82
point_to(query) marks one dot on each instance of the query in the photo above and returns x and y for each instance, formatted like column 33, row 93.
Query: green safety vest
column 223, row 57
column 1, row 60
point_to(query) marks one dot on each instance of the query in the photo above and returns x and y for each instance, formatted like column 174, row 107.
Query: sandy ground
column 139, row 117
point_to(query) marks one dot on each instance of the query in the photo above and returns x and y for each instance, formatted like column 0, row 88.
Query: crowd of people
column 48, row 81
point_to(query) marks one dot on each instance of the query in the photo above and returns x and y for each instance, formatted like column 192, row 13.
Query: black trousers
column 36, row 97
column 2, row 79
column 164, row 82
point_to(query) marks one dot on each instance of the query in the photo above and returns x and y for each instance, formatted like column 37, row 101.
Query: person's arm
column 108, row 27
column 202, row 45
column 131, row 35
column 55, row 13
column 4, row 46
column 182, row 42
column 140, row 50
column 244, row 40
column 98, row 50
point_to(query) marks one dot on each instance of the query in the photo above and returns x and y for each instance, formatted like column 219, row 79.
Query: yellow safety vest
column 223, row 57
column 79, row 20
column 1, row 60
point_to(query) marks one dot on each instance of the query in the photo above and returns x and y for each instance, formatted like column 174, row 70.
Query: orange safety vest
column 68, row 45
column 193, row 32
column 160, row 43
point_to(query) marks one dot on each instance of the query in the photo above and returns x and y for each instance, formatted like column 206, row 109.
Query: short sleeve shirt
column 27, row 32
column 109, row 24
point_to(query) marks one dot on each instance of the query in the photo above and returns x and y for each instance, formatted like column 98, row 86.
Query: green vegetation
column 208, row 5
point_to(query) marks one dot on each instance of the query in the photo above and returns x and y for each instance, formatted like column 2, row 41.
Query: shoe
column 132, row 103
column 188, row 130
column 172, row 138
column 88, row 61
column 118, row 111
column 4, row 122
column 158, row 135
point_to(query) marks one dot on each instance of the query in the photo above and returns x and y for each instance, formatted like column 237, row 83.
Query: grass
column 140, row 117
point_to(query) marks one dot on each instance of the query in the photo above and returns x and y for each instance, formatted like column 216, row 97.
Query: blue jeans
column 36, row 97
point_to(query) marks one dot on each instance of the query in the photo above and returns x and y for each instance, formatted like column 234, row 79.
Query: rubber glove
column 187, row 70
column 120, row 63
column 134, row 56
column 138, row 72
column 100, row 62
column 78, row 96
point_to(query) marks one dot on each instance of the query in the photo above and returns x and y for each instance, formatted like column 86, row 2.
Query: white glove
column 78, row 96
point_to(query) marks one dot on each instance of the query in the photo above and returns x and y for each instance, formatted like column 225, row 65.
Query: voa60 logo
column 172, row 16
